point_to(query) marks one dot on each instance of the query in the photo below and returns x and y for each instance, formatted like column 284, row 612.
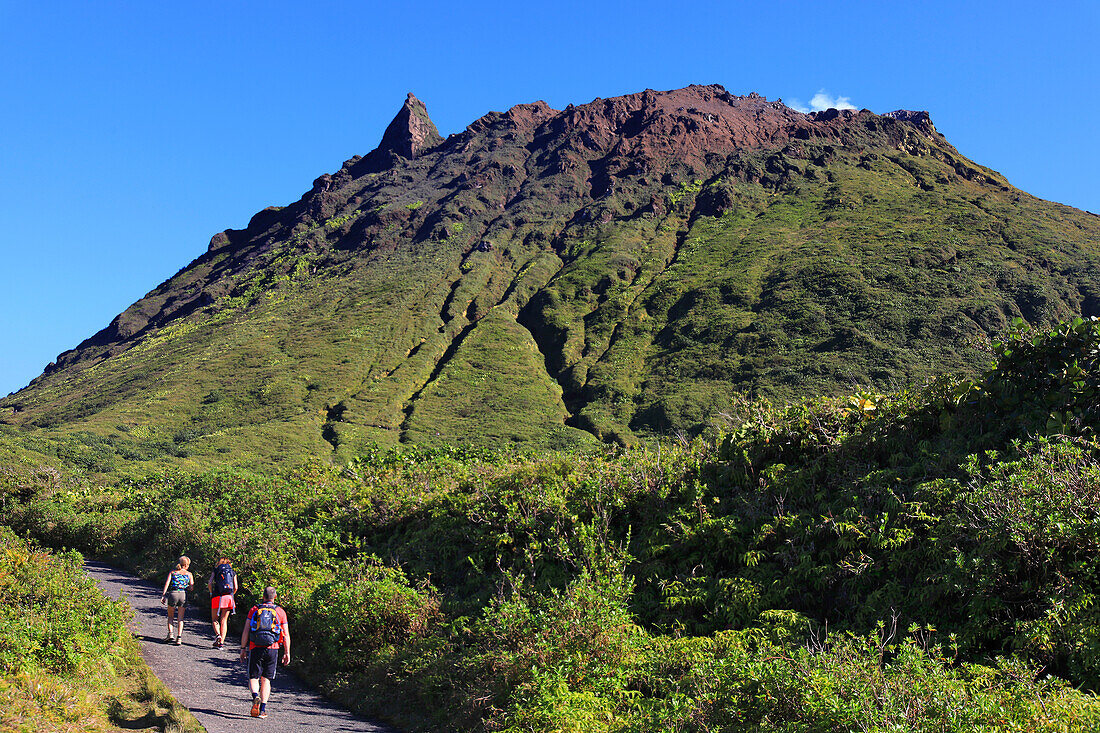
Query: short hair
column 223, row 561
column 269, row 593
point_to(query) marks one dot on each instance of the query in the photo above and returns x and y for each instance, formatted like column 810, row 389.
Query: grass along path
column 210, row 682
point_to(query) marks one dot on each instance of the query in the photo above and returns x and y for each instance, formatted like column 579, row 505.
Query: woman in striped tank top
column 174, row 595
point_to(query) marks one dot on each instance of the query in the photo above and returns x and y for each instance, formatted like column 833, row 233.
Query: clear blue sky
column 130, row 132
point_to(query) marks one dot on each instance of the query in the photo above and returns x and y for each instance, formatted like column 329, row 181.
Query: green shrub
column 365, row 609
column 1027, row 533
column 52, row 617
column 557, row 661
column 740, row 682
column 682, row 587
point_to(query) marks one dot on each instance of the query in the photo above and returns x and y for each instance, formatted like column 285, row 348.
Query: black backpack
column 223, row 580
column 265, row 628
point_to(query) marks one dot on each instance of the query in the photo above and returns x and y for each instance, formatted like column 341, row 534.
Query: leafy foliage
column 366, row 608
column 920, row 559
column 51, row 619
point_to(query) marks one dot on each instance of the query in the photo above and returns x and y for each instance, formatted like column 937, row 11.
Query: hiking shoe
column 255, row 713
column 179, row 641
column 218, row 644
column 263, row 714
column 169, row 637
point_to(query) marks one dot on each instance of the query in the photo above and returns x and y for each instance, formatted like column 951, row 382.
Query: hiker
column 223, row 585
column 174, row 596
column 266, row 631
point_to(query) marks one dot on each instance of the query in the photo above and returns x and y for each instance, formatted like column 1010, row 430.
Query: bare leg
column 265, row 689
column 254, row 687
column 179, row 624
column 223, row 626
column 214, row 620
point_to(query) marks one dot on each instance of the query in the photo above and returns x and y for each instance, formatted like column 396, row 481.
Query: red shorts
column 218, row 603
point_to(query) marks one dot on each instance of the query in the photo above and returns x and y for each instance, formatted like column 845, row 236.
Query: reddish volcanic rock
column 411, row 131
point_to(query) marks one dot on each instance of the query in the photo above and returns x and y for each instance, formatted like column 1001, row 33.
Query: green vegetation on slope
column 547, row 278
column 827, row 277
column 920, row 560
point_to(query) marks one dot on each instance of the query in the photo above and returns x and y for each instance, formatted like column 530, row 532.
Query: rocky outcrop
column 411, row 132
column 918, row 118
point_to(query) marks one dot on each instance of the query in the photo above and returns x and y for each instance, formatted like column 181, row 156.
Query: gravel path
column 212, row 683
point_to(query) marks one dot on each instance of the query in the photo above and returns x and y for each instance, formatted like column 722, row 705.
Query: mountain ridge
column 609, row 270
column 412, row 132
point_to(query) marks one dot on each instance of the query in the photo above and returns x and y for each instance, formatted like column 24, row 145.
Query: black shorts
column 262, row 662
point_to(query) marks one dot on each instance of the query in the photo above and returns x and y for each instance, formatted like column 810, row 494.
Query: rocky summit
column 628, row 267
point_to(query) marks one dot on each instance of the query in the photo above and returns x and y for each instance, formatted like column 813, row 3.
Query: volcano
column 620, row 269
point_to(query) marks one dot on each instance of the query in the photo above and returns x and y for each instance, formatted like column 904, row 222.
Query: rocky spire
column 411, row 131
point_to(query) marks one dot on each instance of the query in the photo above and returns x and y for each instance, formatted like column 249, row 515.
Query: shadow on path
column 212, row 683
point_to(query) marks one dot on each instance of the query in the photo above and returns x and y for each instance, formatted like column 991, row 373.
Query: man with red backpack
column 266, row 632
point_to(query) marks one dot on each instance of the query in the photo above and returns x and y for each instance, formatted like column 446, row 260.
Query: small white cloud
column 822, row 101
column 796, row 104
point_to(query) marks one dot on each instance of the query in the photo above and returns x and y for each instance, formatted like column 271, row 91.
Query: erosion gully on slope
column 212, row 683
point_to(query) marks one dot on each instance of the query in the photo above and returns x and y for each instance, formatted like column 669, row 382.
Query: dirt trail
column 211, row 683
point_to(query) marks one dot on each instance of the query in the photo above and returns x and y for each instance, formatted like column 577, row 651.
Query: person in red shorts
column 266, row 632
column 223, row 585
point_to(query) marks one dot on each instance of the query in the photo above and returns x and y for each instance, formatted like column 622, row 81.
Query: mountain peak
column 611, row 270
column 412, row 130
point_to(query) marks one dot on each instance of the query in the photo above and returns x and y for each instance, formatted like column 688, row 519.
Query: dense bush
column 365, row 609
column 741, row 682
column 557, row 661
column 51, row 617
column 683, row 587
column 945, row 504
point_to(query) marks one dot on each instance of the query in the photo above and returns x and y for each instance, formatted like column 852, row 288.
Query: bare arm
column 244, row 638
column 286, row 642
column 164, row 591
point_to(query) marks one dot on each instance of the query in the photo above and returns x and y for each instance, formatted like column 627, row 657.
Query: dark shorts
column 262, row 663
column 177, row 598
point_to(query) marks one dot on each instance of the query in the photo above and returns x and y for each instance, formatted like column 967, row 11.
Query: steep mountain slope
column 614, row 269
